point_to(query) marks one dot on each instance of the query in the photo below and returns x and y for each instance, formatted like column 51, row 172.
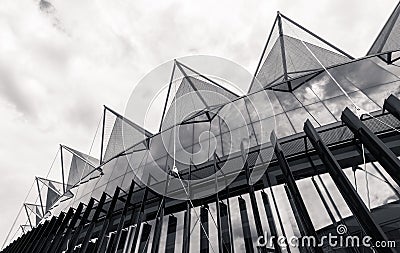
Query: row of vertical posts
column 63, row 232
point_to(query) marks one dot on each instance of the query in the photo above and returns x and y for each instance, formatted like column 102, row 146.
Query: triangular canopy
column 121, row 134
column 388, row 39
column 190, row 92
column 79, row 166
column 293, row 55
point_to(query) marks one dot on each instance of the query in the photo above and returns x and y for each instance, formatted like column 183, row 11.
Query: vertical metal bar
column 346, row 189
column 186, row 229
column 304, row 216
column 62, row 169
column 54, row 239
column 271, row 223
column 321, row 196
column 331, row 199
column 13, row 247
column 220, row 240
column 230, row 220
column 40, row 195
column 57, row 245
column 168, row 92
column 92, row 223
column 138, row 220
column 106, row 222
column 27, row 214
column 296, row 213
column 37, row 237
column 376, row 147
column 74, row 238
column 102, row 136
column 253, row 201
column 187, row 219
column 171, row 234
column 159, row 220
column 146, row 228
column 128, row 242
column 121, row 241
column 54, row 223
column 28, row 239
column 226, row 238
column 204, row 234
column 121, row 223
column 276, row 209
column 283, row 52
column 330, row 214
column 248, row 240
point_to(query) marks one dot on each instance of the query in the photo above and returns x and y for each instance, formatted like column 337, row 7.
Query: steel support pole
column 57, row 245
column 54, row 224
column 267, row 181
column 27, row 214
column 353, row 200
column 204, row 234
column 74, row 238
column 298, row 201
column 53, row 239
column 248, row 240
column 376, row 147
column 171, row 235
column 40, row 195
column 253, row 201
column 160, row 215
column 121, row 223
column 92, row 223
column 138, row 220
column 37, row 236
column 271, row 223
column 143, row 244
column 106, row 223
column 283, row 52
column 27, row 240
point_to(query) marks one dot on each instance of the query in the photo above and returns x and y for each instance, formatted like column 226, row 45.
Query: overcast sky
column 60, row 63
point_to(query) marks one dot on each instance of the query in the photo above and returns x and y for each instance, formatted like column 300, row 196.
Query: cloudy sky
column 61, row 61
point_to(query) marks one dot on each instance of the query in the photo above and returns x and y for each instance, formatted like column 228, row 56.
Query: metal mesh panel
column 389, row 37
column 123, row 136
column 192, row 95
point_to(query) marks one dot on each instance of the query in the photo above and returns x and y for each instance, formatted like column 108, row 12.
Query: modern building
column 329, row 160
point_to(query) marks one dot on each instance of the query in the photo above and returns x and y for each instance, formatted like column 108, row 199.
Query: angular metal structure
column 310, row 181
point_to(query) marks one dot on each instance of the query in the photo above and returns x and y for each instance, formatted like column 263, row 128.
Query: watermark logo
column 340, row 240
column 341, row 229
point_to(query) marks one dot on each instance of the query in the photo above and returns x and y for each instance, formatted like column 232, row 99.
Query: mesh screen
column 122, row 135
column 299, row 61
column 193, row 93
column 80, row 167
column 389, row 38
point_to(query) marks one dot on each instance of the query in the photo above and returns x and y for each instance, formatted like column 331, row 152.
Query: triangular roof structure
column 190, row 92
column 122, row 135
column 388, row 40
column 79, row 166
column 293, row 55
column 50, row 193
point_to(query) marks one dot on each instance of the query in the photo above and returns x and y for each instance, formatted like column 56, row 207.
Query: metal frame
column 347, row 191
